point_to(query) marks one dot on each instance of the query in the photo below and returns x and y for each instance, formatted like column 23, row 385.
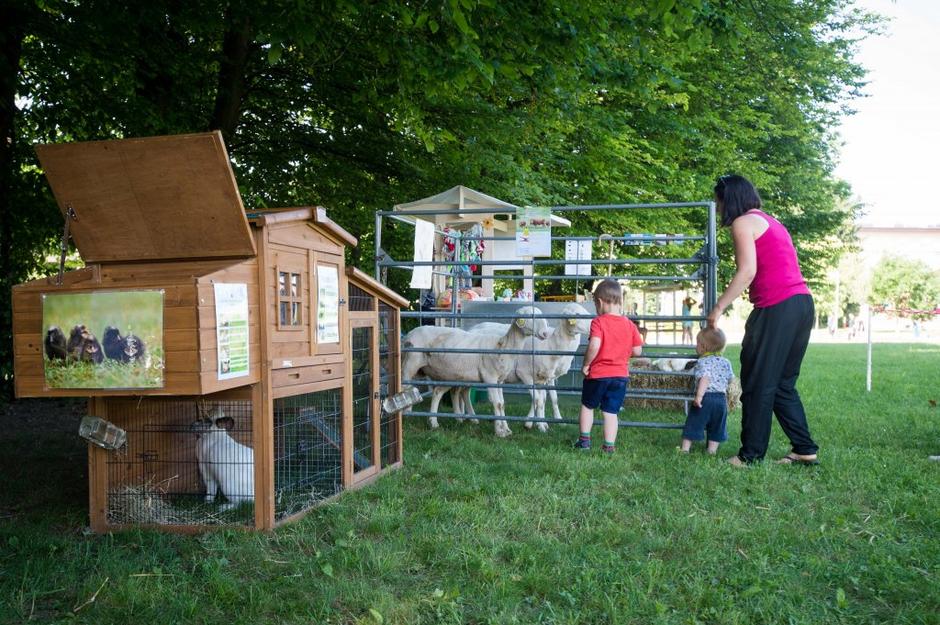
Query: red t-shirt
column 618, row 337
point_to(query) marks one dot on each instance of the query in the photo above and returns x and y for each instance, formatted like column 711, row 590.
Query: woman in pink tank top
column 777, row 331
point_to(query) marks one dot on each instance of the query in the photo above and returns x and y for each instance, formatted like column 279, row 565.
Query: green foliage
column 358, row 106
column 526, row 530
column 909, row 287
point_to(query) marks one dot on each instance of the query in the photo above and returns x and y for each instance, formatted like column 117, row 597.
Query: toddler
column 709, row 411
column 614, row 338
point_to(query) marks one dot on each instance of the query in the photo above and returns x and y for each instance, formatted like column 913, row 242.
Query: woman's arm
column 743, row 231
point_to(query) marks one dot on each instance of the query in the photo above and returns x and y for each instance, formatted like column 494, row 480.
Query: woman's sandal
column 792, row 458
column 737, row 462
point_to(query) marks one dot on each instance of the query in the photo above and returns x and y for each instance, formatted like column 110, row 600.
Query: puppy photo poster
column 103, row 339
column 231, row 323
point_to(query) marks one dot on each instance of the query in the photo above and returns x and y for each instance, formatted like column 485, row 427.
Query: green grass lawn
column 527, row 530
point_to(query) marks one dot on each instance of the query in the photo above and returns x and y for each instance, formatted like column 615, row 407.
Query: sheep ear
column 520, row 323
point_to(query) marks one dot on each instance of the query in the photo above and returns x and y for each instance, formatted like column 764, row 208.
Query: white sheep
column 672, row 364
column 490, row 365
column 413, row 363
column 544, row 369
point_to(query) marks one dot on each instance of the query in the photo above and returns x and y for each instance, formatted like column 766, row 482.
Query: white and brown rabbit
column 224, row 464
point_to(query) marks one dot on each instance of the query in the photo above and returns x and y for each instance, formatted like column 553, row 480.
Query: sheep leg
column 499, row 410
column 540, row 409
column 436, row 396
column 456, row 400
column 553, row 395
column 469, row 406
column 532, row 393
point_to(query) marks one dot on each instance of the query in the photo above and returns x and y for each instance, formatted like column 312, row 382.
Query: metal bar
column 551, row 261
column 378, row 245
column 711, row 280
column 639, row 239
column 424, row 314
column 623, row 424
column 528, row 387
column 505, row 210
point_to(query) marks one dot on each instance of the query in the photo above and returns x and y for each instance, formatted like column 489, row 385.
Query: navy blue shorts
column 608, row 393
column 710, row 419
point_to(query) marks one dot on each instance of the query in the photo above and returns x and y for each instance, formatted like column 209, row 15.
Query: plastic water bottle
column 102, row 433
column 407, row 398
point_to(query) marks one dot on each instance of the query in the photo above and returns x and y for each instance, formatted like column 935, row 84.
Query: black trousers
column 775, row 340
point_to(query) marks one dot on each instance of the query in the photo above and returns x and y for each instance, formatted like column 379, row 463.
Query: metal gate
column 647, row 266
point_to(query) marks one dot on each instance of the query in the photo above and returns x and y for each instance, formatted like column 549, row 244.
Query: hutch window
column 290, row 302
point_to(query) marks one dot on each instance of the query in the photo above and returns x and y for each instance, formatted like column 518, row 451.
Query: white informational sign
column 231, row 330
column 327, row 304
column 534, row 231
column 578, row 250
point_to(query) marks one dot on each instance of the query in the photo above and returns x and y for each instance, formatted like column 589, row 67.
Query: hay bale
column 672, row 385
column 667, row 384
column 734, row 394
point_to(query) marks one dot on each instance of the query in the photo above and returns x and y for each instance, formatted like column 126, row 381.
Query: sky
column 891, row 150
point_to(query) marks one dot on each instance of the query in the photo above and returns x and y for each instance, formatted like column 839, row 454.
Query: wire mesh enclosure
column 188, row 461
column 307, row 450
column 388, row 383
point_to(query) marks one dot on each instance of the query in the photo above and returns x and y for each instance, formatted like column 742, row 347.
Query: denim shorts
column 710, row 419
column 608, row 393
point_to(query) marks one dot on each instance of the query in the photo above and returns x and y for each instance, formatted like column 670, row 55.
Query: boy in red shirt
column 614, row 338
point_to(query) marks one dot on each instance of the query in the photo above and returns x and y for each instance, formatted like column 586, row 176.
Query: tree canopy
column 358, row 106
column 907, row 288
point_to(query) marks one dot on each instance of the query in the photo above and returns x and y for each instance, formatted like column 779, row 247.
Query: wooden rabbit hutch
column 240, row 355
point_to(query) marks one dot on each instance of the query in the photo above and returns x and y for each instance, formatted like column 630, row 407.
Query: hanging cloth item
column 424, row 250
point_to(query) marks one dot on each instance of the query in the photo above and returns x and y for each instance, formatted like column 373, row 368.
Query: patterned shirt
column 719, row 372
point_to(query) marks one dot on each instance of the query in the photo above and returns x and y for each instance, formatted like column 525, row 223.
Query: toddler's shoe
column 608, row 449
column 582, row 443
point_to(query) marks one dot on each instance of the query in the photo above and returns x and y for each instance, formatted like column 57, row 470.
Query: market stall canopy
column 158, row 198
column 450, row 203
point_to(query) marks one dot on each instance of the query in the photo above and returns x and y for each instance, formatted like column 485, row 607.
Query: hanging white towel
column 424, row 250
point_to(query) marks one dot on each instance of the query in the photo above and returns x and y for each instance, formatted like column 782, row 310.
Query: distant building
column 921, row 244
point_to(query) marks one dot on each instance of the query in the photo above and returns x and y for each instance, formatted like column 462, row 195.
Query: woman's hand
column 712, row 319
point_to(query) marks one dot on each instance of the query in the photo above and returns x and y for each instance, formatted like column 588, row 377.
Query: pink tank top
column 778, row 271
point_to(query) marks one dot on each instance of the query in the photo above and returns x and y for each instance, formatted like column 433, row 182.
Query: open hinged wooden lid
column 158, row 198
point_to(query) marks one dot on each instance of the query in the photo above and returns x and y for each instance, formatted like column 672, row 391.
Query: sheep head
column 579, row 321
column 525, row 323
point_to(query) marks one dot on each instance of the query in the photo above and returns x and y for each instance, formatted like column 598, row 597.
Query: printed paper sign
column 105, row 339
column 578, row 250
column 231, row 330
column 534, row 231
column 327, row 304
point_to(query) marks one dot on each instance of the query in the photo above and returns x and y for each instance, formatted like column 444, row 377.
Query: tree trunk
column 11, row 48
column 232, row 83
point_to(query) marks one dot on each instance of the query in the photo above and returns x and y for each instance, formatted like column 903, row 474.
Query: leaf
column 327, row 569
column 433, row 25
column 841, row 601
column 376, row 616
column 274, row 54
column 462, row 24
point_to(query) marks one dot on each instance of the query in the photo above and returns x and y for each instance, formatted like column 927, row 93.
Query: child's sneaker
column 582, row 443
column 608, row 449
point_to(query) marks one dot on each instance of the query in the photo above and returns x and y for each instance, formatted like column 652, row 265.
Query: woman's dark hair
column 736, row 195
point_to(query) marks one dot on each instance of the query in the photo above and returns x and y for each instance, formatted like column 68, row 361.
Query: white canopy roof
column 459, row 198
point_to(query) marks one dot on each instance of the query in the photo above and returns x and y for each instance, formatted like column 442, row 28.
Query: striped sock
column 608, row 444
column 586, row 435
